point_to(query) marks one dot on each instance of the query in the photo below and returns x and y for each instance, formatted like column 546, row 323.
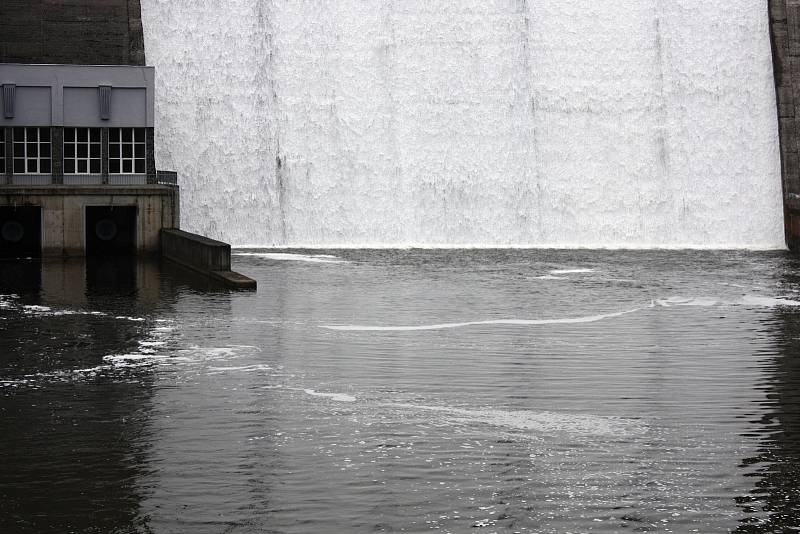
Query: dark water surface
column 404, row 391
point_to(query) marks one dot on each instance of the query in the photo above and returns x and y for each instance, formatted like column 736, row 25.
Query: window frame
column 88, row 160
column 117, row 144
column 25, row 144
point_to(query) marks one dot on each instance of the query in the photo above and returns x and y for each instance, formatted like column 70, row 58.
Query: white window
column 81, row 150
column 31, row 150
column 126, row 151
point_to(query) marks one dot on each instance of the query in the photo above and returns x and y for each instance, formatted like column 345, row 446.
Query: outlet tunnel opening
column 110, row 230
column 20, row 232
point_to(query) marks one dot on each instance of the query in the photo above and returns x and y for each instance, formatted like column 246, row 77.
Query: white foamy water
column 338, row 397
column 546, row 123
column 514, row 322
column 571, row 271
column 245, row 368
column 283, row 256
column 768, row 302
column 756, row 301
column 536, row 422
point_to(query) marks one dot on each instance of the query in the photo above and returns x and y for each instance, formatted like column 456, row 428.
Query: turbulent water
column 404, row 391
column 635, row 123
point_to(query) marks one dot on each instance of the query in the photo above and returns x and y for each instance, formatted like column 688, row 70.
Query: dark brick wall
column 90, row 32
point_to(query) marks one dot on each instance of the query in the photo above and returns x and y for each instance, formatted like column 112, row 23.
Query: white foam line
column 514, row 246
column 768, row 302
column 134, row 357
column 543, row 422
column 748, row 300
column 37, row 308
column 339, row 397
column 242, row 368
column 571, row 271
column 513, row 322
column 283, row 256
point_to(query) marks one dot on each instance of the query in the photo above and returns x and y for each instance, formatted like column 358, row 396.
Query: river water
column 404, row 391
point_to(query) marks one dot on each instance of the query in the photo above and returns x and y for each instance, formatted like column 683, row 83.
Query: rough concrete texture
column 64, row 213
column 785, row 32
column 613, row 123
column 91, row 32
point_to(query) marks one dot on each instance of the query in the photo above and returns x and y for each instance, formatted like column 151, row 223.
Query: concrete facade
column 68, row 95
column 784, row 17
column 86, row 96
column 64, row 213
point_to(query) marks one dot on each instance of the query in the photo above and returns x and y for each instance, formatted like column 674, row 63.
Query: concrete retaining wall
column 204, row 255
column 195, row 251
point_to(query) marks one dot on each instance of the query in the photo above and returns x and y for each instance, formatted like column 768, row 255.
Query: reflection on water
column 74, row 443
column 773, row 504
column 368, row 391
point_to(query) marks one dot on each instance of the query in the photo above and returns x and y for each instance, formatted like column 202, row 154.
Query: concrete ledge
column 233, row 279
column 105, row 190
column 204, row 255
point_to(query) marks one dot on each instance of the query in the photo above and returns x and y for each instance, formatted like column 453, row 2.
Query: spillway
column 543, row 123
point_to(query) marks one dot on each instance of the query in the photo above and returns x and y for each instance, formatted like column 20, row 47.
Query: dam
column 515, row 123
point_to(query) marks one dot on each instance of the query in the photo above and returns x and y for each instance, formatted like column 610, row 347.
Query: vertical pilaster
column 104, row 154
column 57, row 154
column 150, row 164
column 9, row 175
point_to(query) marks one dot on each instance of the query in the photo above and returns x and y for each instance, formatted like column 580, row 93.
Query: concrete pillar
column 149, row 148
column 784, row 24
column 104, row 154
column 9, row 159
column 57, row 154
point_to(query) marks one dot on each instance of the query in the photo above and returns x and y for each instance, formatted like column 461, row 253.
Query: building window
column 31, row 150
column 2, row 150
column 126, row 149
column 82, row 150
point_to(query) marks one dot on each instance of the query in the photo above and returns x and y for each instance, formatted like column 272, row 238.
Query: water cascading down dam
column 525, row 123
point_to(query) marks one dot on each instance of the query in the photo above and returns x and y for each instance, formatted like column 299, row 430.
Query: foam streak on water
column 514, row 322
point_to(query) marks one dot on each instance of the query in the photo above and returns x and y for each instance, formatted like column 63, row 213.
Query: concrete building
column 77, row 171
column 76, row 157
